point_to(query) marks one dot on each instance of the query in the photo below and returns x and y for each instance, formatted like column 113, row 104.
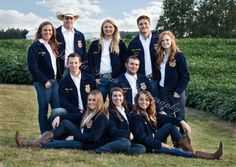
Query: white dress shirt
column 69, row 40
column 132, row 79
column 77, row 81
column 105, row 66
column 163, row 69
column 122, row 112
column 147, row 57
column 52, row 56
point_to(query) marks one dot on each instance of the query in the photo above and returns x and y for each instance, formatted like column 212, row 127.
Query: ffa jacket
column 117, row 61
column 68, row 94
column 117, row 127
column 142, row 84
column 176, row 76
column 143, row 130
column 94, row 132
column 79, row 47
column 39, row 63
column 136, row 48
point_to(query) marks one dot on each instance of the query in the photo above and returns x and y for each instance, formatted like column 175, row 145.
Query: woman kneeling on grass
column 90, row 135
column 145, row 127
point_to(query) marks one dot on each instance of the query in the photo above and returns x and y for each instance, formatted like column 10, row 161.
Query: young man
column 73, row 91
column 70, row 40
column 132, row 82
column 144, row 47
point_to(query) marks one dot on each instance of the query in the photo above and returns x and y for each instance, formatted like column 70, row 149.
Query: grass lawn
column 18, row 111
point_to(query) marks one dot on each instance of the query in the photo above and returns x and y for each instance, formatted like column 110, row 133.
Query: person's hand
column 48, row 85
column 55, row 122
column 166, row 146
column 162, row 113
column 131, row 136
column 176, row 95
column 186, row 127
column 70, row 138
column 98, row 81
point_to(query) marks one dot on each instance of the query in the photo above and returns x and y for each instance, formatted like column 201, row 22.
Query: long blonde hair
column 151, row 110
column 99, row 107
column 114, row 47
column 52, row 42
column 160, row 49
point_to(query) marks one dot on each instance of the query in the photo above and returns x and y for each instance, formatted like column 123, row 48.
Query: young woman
column 106, row 56
column 91, row 133
column 42, row 57
column 146, row 130
column 173, row 75
column 119, row 132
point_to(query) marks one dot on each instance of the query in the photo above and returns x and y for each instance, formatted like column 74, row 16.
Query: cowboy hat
column 60, row 15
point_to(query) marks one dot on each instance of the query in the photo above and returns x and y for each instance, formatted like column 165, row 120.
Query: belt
column 106, row 75
column 150, row 77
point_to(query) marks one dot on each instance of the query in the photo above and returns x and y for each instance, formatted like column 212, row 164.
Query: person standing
column 70, row 40
column 144, row 46
column 107, row 56
column 173, row 75
column 42, row 64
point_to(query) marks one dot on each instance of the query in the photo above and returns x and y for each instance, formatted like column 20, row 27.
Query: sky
column 28, row 14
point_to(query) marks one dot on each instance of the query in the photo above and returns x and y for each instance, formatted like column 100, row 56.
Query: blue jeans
column 174, row 151
column 153, row 84
column 45, row 97
column 105, row 86
column 172, row 106
column 166, row 130
column 117, row 145
column 136, row 149
column 66, row 127
column 57, row 112
column 162, row 135
column 71, row 144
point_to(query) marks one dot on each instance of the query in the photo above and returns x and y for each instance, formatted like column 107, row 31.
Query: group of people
column 145, row 82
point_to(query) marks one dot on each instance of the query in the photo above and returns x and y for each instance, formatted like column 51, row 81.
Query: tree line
column 12, row 33
column 199, row 18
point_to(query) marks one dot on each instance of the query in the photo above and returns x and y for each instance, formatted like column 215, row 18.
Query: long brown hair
column 111, row 104
column 151, row 110
column 160, row 49
column 52, row 42
column 114, row 47
column 99, row 107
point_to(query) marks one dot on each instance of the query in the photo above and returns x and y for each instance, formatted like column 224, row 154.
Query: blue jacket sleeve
column 33, row 65
column 183, row 73
column 140, row 135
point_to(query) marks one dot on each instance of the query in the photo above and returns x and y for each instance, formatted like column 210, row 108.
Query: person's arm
column 183, row 74
column 140, row 136
column 33, row 58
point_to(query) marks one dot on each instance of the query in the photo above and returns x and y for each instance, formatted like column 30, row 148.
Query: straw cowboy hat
column 60, row 15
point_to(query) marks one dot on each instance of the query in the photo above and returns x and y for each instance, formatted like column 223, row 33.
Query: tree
column 178, row 16
column 215, row 18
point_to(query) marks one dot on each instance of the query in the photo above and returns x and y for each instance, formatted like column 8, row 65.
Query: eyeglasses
column 68, row 18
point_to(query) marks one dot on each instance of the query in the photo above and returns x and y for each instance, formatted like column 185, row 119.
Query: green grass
column 18, row 111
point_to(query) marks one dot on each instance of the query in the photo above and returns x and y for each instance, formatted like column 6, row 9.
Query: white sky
column 28, row 14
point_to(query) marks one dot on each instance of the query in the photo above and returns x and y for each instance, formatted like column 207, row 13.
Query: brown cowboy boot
column 185, row 143
column 26, row 143
column 216, row 155
column 46, row 137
